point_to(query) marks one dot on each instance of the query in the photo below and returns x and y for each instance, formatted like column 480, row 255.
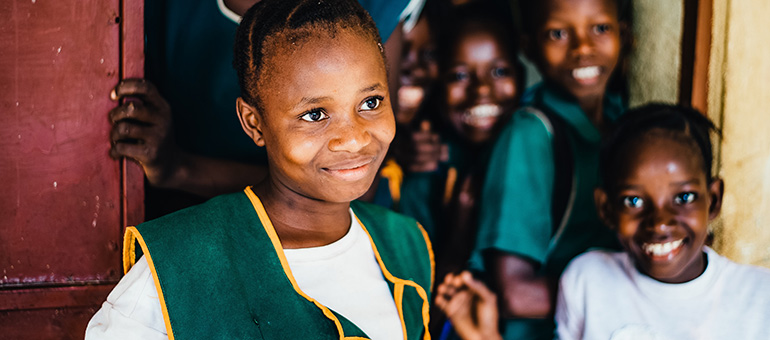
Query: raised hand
column 142, row 130
column 469, row 305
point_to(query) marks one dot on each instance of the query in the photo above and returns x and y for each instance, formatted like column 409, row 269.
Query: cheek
column 553, row 56
column 505, row 89
column 455, row 95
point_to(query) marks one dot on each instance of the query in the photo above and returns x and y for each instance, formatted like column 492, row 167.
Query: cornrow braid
column 293, row 21
column 634, row 124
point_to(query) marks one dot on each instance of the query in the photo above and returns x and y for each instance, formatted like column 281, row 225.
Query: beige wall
column 656, row 59
column 739, row 100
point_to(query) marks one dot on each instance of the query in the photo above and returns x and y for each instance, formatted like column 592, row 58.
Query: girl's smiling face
column 578, row 45
column 480, row 84
column 660, row 206
column 326, row 119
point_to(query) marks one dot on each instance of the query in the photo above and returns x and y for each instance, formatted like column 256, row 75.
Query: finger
column 140, row 89
column 425, row 126
column 129, row 131
column 134, row 111
column 137, row 152
column 477, row 286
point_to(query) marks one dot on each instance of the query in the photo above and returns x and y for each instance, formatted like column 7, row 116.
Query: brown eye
column 314, row 115
column 633, row 202
column 601, row 28
column 557, row 34
column 371, row 103
column 499, row 72
column 685, row 198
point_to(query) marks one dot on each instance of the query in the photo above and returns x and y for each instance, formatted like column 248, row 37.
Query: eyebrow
column 675, row 184
column 316, row 100
column 371, row 88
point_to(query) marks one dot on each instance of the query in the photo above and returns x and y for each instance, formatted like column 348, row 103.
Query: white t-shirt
column 603, row 296
column 343, row 276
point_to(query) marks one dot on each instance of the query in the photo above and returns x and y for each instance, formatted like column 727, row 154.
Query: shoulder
column 747, row 276
column 400, row 239
column 387, row 224
column 595, row 265
column 208, row 214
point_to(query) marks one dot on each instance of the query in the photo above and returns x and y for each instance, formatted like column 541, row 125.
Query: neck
column 593, row 108
column 300, row 221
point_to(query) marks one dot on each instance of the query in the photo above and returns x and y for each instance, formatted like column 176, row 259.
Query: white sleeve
column 569, row 309
column 132, row 310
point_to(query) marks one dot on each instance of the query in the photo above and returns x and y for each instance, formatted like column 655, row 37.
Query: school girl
column 293, row 257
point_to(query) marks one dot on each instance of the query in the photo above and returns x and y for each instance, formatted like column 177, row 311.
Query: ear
column 603, row 208
column 716, row 192
column 251, row 121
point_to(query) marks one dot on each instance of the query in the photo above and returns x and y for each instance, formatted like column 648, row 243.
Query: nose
column 349, row 134
column 661, row 219
column 581, row 43
column 481, row 86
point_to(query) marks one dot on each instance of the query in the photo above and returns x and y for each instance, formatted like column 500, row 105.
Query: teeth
column 483, row 116
column 410, row 96
column 484, row 110
column 586, row 72
column 661, row 249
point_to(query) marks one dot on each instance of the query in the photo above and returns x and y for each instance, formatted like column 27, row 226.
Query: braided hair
column 271, row 25
column 677, row 121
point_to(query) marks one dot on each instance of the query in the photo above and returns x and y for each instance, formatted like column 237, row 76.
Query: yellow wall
column 739, row 101
column 656, row 59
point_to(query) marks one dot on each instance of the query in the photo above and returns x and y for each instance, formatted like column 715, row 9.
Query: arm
column 132, row 310
column 515, row 220
column 142, row 131
column 470, row 306
column 523, row 293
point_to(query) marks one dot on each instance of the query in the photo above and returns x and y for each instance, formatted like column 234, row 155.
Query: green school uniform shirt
column 515, row 213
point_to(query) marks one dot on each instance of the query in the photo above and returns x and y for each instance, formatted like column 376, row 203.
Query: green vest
column 221, row 273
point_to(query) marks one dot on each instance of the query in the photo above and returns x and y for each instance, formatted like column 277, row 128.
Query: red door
column 64, row 202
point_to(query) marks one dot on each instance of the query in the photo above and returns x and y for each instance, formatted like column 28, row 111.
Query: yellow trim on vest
column 395, row 175
column 430, row 253
column 131, row 235
column 401, row 282
column 129, row 251
column 449, row 187
column 270, row 230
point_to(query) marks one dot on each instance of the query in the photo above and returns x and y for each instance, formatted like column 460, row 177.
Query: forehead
column 575, row 9
column 320, row 63
column 479, row 43
column 660, row 153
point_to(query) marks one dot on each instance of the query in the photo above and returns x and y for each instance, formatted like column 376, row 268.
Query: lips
column 482, row 116
column 351, row 170
column 587, row 75
column 664, row 250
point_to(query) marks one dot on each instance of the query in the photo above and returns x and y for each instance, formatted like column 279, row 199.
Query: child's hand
column 470, row 305
column 141, row 129
column 429, row 151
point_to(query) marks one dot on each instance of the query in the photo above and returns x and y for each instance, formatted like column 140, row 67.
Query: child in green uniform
column 537, row 210
column 479, row 87
column 291, row 257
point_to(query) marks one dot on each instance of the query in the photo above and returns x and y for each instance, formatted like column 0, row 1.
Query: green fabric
column 515, row 214
column 222, row 279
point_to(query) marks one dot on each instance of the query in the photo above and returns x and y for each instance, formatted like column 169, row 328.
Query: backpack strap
column 564, row 184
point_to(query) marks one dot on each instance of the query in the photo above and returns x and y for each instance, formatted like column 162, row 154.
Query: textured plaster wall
column 739, row 99
column 656, row 59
